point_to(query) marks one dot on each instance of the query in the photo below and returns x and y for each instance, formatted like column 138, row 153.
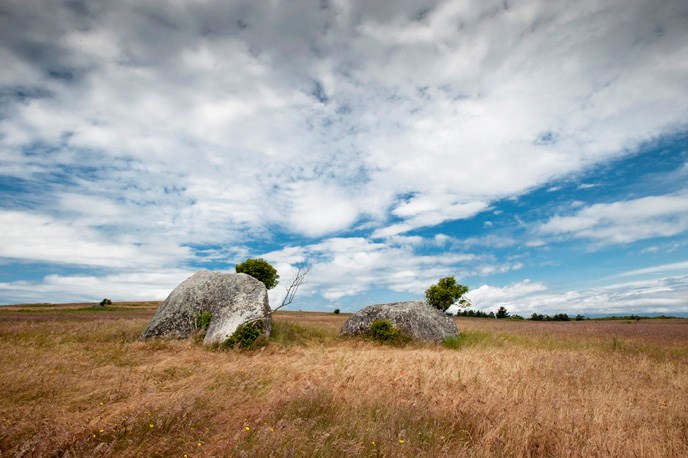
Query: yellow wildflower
column 151, row 426
column 248, row 429
column 101, row 430
column 200, row 444
column 401, row 441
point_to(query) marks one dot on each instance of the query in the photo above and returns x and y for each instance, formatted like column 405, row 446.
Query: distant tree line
column 557, row 317
column 501, row 313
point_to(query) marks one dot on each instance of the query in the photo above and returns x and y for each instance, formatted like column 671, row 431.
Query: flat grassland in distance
column 76, row 381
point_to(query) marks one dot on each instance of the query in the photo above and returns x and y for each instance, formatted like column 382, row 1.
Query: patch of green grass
column 287, row 333
column 452, row 342
column 473, row 339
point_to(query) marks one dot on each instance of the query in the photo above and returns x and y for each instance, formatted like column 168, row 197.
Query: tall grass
column 78, row 387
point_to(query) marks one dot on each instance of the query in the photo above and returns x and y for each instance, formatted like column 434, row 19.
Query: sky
column 537, row 150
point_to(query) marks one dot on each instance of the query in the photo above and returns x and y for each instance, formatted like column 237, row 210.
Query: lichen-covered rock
column 232, row 299
column 414, row 318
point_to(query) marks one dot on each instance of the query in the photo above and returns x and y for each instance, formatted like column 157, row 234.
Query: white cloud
column 663, row 268
column 663, row 295
column 625, row 221
column 349, row 266
column 142, row 129
column 132, row 286
column 31, row 237
column 453, row 116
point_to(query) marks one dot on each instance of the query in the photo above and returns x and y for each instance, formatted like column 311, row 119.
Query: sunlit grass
column 89, row 387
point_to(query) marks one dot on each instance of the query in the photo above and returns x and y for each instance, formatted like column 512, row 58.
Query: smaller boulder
column 417, row 319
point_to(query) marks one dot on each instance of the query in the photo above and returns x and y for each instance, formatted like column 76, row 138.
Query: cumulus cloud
column 351, row 266
column 625, row 221
column 662, row 295
column 221, row 100
column 139, row 130
column 31, row 237
column 131, row 286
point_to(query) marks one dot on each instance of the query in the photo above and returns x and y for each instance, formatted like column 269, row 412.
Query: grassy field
column 77, row 382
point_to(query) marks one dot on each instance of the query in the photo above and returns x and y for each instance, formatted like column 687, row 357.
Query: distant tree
column 336, row 311
column 105, row 302
column 560, row 317
column 537, row 317
column 445, row 293
column 502, row 313
column 579, row 317
column 260, row 269
column 491, row 315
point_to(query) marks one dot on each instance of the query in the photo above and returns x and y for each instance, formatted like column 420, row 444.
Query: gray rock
column 232, row 299
column 415, row 318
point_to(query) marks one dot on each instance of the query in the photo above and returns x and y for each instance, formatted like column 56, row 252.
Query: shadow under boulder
column 416, row 319
column 231, row 299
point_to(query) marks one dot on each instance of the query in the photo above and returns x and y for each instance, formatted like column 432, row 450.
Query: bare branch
column 297, row 280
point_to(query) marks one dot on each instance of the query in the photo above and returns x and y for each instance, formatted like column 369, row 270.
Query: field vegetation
column 77, row 381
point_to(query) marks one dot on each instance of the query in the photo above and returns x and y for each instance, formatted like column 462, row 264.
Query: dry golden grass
column 80, row 383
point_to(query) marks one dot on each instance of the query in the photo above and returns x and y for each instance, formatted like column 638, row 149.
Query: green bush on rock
column 247, row 336
column 383, row 331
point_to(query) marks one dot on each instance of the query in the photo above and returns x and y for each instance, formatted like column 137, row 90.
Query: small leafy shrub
column 202, row 320
column 105, row 302
column 260, row 269
column 336, row 311
column 247, row 336
column 384, row 332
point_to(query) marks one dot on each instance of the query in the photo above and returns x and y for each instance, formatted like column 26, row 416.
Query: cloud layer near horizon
column 142, row 134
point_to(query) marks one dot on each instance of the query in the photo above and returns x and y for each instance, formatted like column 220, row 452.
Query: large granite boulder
column 232, row 299
column 414, row 318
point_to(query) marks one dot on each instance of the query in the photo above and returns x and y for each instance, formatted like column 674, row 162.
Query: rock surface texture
column 415, row 318
column 232, row 299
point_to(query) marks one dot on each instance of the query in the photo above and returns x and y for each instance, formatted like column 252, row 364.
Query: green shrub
column 383, row 331
column 453, row 342
column 260, row 269
column 247, row 336
column 202, row 320
column 105, row 302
